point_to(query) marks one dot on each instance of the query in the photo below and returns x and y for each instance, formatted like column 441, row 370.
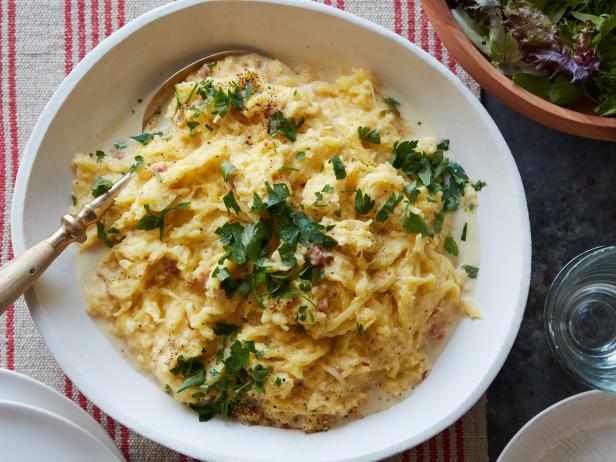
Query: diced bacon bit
column 365, row 363
column 204, row 72
column 438, row 310
column 158, row 167
column 424, row 375
column 323, row 306
column 318, row 256
column 117, row 153
column 170, row 266
column 437, row 332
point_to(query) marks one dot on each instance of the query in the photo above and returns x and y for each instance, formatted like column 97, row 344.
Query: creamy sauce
column 87, row 262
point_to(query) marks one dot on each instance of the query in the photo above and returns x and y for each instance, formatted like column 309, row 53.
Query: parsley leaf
column 145, row 138
column 152, row 220
column 231, row 203
column 225, row 329
column 463, row 237
column 393, row 105
column 443, row 145
column 451, row 246
column 100, row 155
column 227, row 170
column 120, row 145
column 479, row 185
column 300, row 155
column 73, row 199
column 137, row 164
column 416, row 224
column 472, row 271
column 278, row 124
column 191, row 126
column 389, row 206
column 370, row 135
column 363, row 202
column 339, row 169
column 102, row 234
column 101, row 186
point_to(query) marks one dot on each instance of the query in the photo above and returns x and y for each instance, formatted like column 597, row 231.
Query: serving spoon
column 17, row 275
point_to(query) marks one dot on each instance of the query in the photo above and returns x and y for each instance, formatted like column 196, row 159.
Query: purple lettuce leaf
column 541, row 45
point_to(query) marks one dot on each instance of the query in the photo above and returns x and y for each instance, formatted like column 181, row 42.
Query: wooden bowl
column 581, row 123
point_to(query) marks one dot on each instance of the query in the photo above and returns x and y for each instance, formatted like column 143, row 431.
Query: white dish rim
column 71, row 80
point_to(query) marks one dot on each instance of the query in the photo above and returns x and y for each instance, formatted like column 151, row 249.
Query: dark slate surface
column 570, row 186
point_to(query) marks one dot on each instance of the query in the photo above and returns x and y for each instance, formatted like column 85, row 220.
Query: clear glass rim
column 559, row 281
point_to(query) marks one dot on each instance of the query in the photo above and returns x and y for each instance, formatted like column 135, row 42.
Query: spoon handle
column 17, row 275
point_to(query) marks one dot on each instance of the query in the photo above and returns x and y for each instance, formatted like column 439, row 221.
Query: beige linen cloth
column 40, row 42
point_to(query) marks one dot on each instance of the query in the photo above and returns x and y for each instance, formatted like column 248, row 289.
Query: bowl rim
column 520, row 100
column 73, row 78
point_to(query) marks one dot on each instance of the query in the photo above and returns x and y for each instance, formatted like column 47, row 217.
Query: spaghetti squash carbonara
column 285, row 249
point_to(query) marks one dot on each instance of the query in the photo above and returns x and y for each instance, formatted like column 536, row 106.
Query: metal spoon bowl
column 17, row 275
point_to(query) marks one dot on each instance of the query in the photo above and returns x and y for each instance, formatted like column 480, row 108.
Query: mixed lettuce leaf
column 561, row 50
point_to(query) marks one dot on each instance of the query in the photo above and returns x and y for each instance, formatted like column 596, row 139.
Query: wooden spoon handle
column 20, row 273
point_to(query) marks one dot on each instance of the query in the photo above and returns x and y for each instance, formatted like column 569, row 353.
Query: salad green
column 561, row 50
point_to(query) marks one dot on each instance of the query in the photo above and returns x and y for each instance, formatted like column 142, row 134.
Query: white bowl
column 104, row 87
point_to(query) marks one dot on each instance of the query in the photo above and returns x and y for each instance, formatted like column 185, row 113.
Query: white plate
column 23, row 389
column 581, row 428
column 103, row 89
column 30, row 434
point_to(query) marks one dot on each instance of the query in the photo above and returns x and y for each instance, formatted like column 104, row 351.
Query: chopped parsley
column 73, row 199
column 472, row 271
column 278, row 382
column 339, row 169
column 279, row 124
column 443, row 145
column 359, row 328
column 101, row 186
column 416, row 224
column 300, row 155
column 145, row 137
column 479, row 185
column 102, row 234
column 168, row 389
column 227, row 170
column 137, row 164
column 389, row 206
column 191, row 126
column 451, row 246
column 230, row 203
column 228, row 384
column 287, row 169
column 393, row 105
column 363, row 202
column 100, row 155
column 225, row 329
column 221, row 101
column 463, row 237
column 120, row 145
column 369, row 135
column 152, row 220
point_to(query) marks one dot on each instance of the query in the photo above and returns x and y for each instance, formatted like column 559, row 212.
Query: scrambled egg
column 381, row 294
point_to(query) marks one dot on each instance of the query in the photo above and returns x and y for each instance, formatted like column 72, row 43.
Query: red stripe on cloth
column 94, row 20
column 433, row 449
column 96, row 412
column 412, row 33
column 459, row 427
column 68, row 37
column 183, row 458
column 81, row 28
column 451, row 64
column 111, row 427
column 419, row 453
column 398, row 16
column 438, row 47
column 406, row 456
column 10, row 314
column 328, row 2
column 340, row 4
column 121, row 13
column 83, row 402
column 3, row 147
column 68, row 387
column 108, row 19
column 125, row 443
column 425, row 39
column 446, row 445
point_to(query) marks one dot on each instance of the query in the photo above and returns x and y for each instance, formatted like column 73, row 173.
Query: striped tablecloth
column 40, row 42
